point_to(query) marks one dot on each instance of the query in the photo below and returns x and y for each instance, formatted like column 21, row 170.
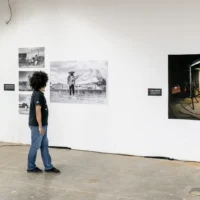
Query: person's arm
column 39, row 118
column 38, row 101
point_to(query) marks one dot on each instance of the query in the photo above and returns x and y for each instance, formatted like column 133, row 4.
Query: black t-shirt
column 38, row 98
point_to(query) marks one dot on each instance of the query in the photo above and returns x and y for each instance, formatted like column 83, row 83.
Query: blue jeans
column 39, row 141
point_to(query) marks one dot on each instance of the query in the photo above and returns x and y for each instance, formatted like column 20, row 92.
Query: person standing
column 38, row 123
column 36, row 60
column 71, row 82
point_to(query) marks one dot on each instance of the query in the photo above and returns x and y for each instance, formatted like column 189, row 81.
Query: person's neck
column 41, row 90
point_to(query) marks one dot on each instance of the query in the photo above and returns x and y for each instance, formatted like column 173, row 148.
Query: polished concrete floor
column 94, row 176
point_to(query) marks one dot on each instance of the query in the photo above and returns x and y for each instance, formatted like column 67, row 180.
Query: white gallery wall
column 135, row 36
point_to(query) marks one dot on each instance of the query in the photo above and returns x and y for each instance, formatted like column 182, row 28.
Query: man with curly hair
column 38, row 123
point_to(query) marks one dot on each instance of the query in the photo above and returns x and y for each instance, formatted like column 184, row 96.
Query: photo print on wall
column 24, row 80
column 184, row 87
column 32, row 57
column 83, row 82
column 24, row 103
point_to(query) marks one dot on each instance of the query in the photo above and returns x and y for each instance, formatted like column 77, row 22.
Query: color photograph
column 184, row 87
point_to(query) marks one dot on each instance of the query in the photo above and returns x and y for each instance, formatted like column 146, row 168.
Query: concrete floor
column 93, row 176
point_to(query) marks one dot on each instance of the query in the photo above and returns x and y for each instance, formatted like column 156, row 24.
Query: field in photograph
column 83, row 96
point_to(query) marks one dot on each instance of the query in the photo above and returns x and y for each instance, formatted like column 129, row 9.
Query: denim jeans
column 39, row 141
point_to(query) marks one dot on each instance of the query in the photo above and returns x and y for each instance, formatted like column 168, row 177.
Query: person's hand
column 41, row 130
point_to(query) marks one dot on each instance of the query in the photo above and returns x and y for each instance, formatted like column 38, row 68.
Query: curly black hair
column 38, row 80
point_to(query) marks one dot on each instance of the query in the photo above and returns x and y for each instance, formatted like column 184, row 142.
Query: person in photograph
column 71, row 82
column 26, row 107
column 36, row 60
column 38, row 123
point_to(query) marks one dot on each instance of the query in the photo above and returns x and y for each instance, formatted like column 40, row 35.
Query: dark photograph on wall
column 24, row 103
column 83, row 82
column 32, row 57
column 24, row 80
column 184, row 87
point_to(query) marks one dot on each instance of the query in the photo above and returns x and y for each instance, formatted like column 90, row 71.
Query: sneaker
column 36, row 170
column 54, row 170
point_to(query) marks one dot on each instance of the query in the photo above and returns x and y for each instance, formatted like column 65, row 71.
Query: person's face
column 42, row 89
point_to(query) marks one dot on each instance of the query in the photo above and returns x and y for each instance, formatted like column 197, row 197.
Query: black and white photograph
column 32, row 57
column 184, row 87
column 24, row 103
column 24, row 80
column 83, row 82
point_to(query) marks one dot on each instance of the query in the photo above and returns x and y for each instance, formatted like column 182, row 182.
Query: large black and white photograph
column 24, row 80
column 24, row 103
column 184, row 87
column 32, row 57
column 83, row 82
